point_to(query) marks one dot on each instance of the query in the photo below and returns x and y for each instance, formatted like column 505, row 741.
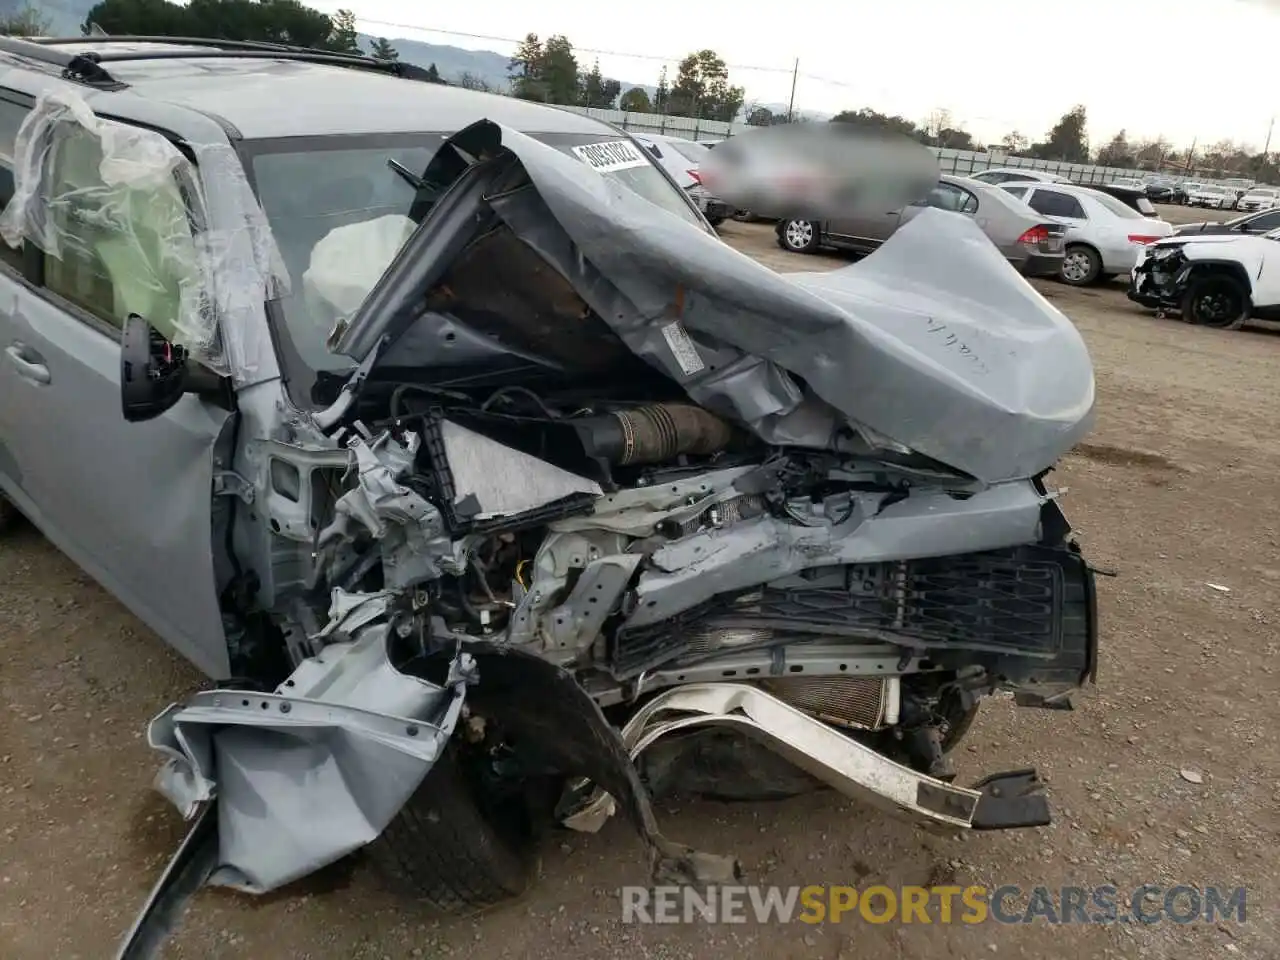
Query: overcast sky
column 1183, row 69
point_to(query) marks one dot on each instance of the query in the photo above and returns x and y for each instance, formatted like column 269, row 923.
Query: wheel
column 454, row 845
column 798, row 236
column 715, row 221
column 1081, row 266
column 1217, row 301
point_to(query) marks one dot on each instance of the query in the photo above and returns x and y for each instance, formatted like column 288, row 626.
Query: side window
column 1016, row 191
column 121, row 249
column 1263, row 223
column 11, row 117
column 1054, row 204
column 947, row 196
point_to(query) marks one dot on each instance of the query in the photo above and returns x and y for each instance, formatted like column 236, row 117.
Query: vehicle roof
column 1029, row 172
column 292, row 98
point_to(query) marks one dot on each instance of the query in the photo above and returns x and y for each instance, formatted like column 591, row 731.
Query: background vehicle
column 1259, row 198
column 1135, row 197
column 1212, row 196
column 1212, row 280
column 1129, row 183
column 1104, row 235
column 1031, row 243
column 681, row 158
column 1011, row 174
column 1260, row 221
column 1161, row 190
column 1184, row 190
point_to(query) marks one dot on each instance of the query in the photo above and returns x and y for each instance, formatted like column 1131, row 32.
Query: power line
column 577, row 49
column 759, row 68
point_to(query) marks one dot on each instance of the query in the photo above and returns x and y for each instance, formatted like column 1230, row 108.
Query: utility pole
column 792, row 105
column 1266, row 148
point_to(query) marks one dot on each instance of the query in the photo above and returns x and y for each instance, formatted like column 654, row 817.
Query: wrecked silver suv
column 584, row 507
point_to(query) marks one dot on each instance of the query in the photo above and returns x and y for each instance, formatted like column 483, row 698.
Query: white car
column 1003, row 175
column 1104, row 235
column 1131, row 182
column 681, row 158
column 1213, row 280
column 1259, row 198
column 1211, row 196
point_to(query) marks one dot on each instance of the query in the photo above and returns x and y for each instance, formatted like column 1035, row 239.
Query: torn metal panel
column 934, row 342
column 852, row 768
column 306, row 775
column 928, row 523
column 128, row 207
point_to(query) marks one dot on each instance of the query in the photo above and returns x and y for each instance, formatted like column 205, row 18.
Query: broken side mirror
column 154, row 373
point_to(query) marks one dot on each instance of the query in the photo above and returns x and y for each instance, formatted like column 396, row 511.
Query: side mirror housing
column 155, row 374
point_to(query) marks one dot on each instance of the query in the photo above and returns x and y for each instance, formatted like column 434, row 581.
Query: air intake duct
column 653, row 434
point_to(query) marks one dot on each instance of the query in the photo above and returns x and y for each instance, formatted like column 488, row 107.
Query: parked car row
column 1043, row 226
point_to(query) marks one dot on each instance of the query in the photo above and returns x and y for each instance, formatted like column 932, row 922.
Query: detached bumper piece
column 999, row 802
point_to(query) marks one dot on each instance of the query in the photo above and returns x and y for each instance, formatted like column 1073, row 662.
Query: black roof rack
column 87, row 67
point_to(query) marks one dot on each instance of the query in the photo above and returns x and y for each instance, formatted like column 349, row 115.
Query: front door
column 131, row 503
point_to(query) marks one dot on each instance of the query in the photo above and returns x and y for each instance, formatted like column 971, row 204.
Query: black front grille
column 1027, row 602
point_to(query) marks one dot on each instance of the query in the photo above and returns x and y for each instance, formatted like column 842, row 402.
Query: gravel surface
column 1164, row 773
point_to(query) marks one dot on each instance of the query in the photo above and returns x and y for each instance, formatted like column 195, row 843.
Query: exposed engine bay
column 588, row 541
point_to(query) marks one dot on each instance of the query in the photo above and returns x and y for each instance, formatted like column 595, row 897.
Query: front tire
column 1081, row 266
column 1217, row 301
column 798, row 236
column 448, row 848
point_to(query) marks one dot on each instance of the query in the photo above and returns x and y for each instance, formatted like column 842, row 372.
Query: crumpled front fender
column 310, row 773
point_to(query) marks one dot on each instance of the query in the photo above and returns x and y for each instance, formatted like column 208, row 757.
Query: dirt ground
column 1171, row 493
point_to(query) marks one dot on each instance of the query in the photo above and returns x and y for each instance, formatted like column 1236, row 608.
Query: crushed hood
column 933, row 342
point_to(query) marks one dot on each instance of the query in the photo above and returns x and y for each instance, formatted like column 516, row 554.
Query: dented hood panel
column 934, row 342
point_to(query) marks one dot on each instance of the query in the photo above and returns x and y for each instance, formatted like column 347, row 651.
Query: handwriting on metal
column 953, row 341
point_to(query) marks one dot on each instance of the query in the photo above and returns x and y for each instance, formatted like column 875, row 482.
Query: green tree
column 24, row 22
column 867, row 117
column 1117, row 153
column 343, row 38
column 596, row 91
column 433, row 75
column 471, row 81
column 702, row 89
column 1067, row 139
column 273, row 21
column 1015, row 143
column 635, row 100
column 525, row 70
column 662, row 96
column 381, row 49
column 560, row 70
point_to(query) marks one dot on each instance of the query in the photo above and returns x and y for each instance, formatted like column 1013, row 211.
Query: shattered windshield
column 310, row 186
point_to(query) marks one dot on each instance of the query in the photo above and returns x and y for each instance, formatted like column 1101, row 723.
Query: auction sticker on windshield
column 611, row 155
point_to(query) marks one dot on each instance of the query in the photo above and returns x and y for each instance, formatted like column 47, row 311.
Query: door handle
column 30, row 364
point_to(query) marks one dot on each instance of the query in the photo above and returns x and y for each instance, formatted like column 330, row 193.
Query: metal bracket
column 228, row 483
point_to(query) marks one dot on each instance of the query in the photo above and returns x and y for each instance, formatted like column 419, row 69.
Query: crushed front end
column 1160, row 277
column 608, row 510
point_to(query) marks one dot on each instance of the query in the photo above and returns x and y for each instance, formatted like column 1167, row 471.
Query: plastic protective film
column 126, row 226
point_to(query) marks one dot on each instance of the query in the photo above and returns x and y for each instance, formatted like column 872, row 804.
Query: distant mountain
column 66, row 16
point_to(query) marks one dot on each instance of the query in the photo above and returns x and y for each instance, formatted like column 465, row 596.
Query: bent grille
column 1016, row 602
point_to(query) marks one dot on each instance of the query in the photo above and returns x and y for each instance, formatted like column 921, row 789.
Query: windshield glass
column 1212, row 189
column 1264, row 193
column 308, row 186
